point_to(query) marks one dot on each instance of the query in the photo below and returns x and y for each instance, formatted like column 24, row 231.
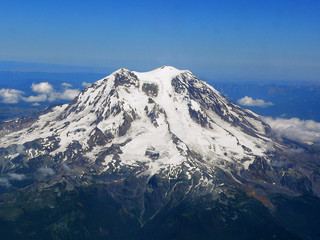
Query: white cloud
column 69, row 94
column 20, row 149
column 16, row 176
column 45, row 92
column 10, row 95
column 49, row 94
column 45, row 172
column 296, row 150
column 295, row 129
column 67, row 85
column 43, row 87
column 39, row 98
column 250, row 102
column 85, row 84
column 4, row 182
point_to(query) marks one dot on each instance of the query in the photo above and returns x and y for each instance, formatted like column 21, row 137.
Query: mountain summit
column 153, row 140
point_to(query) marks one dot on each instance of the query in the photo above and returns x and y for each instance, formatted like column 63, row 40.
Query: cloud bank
column 85, row 84
column 44, row 172
column 67, row 94
column 250, row 102
column 20, row 149
column 16, row 176
column 10, row 95
column 67, row 85
column 44, row 92
column 39, row 98
column 4, row 182
column 43, row 87
column 295, row 129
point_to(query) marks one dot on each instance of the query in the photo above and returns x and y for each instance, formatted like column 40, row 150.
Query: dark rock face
column 99, row 138
column 114, row 149
column 150, row 89
column 152, row 153
column 124, row 127
column 126, row 78
column 198, row 117
column 154, row 114
column 177, row 85
column 150, row 100
column 296, row 182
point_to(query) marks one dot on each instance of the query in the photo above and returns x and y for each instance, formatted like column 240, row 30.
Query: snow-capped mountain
column 157, row 118
column 154, row 138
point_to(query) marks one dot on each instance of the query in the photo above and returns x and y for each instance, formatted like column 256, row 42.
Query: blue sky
column 215, row 39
